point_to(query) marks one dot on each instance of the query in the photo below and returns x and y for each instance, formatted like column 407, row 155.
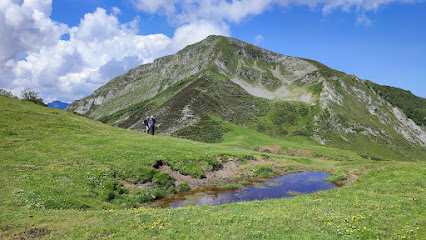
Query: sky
column 66, row 49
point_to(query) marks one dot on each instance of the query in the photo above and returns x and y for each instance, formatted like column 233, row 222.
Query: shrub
column 31, row 95
column 183, row 187
column 104, row 185
column 212, row 164
column 338, row 177
column 191, row 168
column 163, row 181
column 144, row 196
column 262, row 171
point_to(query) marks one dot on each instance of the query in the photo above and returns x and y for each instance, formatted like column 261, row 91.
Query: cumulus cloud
column 100, row 47
column 197, row 31
column 25, row 27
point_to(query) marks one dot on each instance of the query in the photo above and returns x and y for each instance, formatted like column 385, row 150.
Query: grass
column 238, row 136
column 54, row 159
column 62, row 178
column 387, row 203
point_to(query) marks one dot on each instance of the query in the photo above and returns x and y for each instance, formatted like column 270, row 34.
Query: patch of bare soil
column 226, row 174
column 351, row 178
column 29, row 167
column 32, row 233
column 274, row 149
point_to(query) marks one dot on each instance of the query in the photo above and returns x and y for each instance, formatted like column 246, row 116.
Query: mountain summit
column 224, row 79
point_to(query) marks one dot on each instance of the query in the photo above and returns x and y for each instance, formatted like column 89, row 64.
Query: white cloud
column 150, row 6
column 32, row 54
column 187, row 11
column 197, row 31
column 116, row 10
column 258, row 39
column 357, row 5
column 99, row 49
column 219, row 10
column 25, row 27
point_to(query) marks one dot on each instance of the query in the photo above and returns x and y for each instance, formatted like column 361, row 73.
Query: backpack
column 151, row 122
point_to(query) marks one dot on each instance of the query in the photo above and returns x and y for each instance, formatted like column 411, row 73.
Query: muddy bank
column 277, row 187
column 227, row 173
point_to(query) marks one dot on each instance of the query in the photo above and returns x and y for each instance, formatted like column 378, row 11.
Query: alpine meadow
column 228, row 113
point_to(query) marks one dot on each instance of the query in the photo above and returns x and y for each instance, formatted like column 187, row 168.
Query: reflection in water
column 280, row 187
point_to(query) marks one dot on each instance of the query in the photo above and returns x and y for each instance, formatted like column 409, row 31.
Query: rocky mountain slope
column 223, row 78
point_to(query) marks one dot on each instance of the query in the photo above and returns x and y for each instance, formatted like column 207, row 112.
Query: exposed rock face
column 408, row 128
column 254, row 88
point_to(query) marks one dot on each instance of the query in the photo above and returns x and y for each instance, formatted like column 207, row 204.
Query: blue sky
column 66, row 49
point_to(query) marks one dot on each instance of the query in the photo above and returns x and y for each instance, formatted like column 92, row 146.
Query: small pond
column 279, row 187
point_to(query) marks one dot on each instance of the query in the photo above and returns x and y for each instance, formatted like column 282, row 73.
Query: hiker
column 146, row 123
column 152, row 125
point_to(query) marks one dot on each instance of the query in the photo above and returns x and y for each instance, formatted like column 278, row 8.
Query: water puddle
column 279, row 187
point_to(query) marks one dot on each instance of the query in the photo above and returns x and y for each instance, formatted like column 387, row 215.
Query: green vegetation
column 184, row 187
column 32, row 96
column 414, row 107
column 288, row 118
column 262, row 171
column 334, row 108
column 364, row 130
column 68, row 177
column 338, row 176
column 205, row 130
column 62, row 160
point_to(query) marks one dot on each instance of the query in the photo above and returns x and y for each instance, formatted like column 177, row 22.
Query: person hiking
column 146, row 123
column 152, row 125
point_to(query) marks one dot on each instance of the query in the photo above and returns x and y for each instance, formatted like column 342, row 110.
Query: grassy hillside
column 68, row 177
column 56, row 159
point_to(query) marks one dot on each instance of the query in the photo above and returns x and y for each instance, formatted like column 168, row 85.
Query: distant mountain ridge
column 282, row 96
column 58, row 105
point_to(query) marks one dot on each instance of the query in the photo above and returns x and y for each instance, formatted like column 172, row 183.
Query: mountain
column 58, row 105
column 61, row 170
column 220, row 79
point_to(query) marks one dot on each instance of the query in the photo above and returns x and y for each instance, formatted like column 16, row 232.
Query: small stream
column 279, row 187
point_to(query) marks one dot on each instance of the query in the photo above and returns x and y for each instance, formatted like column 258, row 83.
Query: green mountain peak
column 225, row 79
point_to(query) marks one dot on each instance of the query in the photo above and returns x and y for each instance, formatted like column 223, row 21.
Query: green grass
column 386, row 203
column 62, row 178
column 54, row 159
column 238, row 136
